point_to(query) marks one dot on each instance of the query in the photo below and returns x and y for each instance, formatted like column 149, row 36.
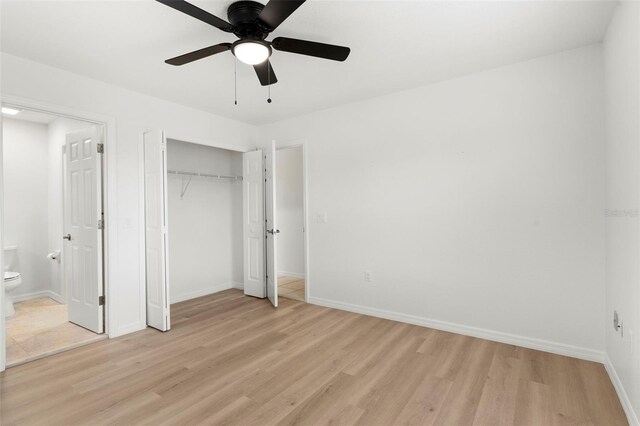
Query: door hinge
column 100, row 224
column 101, row 301
column 100, row 148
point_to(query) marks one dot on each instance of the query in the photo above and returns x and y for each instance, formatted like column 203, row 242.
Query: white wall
column 290, row 211
column 57, row 131
column 205, row 226
column 25, row 221
column 133, row 114
column 476, row 203
column 622, row 83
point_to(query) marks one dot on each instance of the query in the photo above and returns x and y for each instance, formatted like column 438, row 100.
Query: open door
column 272, row 229
column 253, row 223
column 156, row 242
column 83, row 224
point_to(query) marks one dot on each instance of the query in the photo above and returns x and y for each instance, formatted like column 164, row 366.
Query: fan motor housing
column 243, row 15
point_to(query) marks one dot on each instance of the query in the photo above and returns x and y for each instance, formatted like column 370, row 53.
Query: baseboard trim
column 37, row 295
column 127, row 329
column 497, row 336
column 58, row 298
column 291, row 274
column 622, row 393
column 200, row 293
column 239, row 286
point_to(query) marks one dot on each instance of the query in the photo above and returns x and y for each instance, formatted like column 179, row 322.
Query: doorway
column 262, row 223
column 53, row 233
column 183, row 171
column 204, row 196
column 193, row 215
column 290, row 213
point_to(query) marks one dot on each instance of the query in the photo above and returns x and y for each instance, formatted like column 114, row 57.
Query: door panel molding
column 253, row 226
column 82, row 252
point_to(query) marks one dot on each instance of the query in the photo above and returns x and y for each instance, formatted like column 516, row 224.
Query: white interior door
column 156, row 238
column 253, row 223
column 271, row 223
column 83, row 221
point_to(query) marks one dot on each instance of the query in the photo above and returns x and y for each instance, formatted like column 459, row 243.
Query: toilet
column 12, row 280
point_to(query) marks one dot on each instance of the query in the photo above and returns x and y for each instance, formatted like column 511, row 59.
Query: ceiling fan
column 252, row 22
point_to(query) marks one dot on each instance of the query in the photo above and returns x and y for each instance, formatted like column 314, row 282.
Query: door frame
column 301, row 143
column 109, row 198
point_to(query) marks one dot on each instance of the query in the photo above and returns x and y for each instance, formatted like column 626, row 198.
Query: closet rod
column 204, row 175
column 190, row 175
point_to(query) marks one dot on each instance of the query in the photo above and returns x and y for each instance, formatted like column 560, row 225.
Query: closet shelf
column 191, row 175
column 203, row 175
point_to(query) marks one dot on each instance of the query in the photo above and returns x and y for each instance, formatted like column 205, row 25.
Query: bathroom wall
column 290, row 214
column 205, row 226
column 25, row 221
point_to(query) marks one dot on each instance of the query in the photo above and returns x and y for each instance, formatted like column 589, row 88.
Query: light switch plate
column 322, row 217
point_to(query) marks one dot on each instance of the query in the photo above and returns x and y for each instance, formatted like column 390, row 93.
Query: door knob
column 272, row 231
column 67, row 237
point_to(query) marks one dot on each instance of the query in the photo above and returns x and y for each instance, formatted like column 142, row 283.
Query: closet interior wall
column 205, row 220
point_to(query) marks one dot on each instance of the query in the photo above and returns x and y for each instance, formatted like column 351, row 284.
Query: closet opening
column 204, row 217
column 53, row 225
column 290, row 217
column 216, row 219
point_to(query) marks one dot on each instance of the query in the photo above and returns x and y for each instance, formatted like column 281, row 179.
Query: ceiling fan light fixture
column 251, row 52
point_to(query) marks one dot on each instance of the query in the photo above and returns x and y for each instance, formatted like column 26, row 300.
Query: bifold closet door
column 253, row 223
column 156, row 238
column 83, row 233
column 271, row 223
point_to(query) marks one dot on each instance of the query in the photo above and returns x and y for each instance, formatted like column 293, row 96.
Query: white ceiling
column 32, row 116
column 395, row 45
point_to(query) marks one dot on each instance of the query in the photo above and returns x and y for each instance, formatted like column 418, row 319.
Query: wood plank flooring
column 234, row 360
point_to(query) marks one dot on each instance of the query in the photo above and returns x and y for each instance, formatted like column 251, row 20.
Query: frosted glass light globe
column 251, row 53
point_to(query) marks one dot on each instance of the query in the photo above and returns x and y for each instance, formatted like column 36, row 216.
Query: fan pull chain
column 269, row 81
column 235, row 80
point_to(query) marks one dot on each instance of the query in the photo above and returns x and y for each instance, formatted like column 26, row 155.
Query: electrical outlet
column 367, row 276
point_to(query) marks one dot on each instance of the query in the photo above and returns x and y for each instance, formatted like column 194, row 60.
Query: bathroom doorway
column 290, row 211
column 53, row 231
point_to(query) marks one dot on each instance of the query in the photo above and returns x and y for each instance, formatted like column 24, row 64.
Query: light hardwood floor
column 231, row 359
column 291, row 288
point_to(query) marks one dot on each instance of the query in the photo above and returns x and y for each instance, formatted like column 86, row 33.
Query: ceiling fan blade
column 276, row 11
column 198, row 13
column 199, row 54
column 311, row 48
column 265, row 73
